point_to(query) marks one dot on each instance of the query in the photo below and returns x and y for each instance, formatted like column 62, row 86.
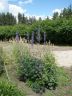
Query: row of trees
column 24, row 20
column 7, row 19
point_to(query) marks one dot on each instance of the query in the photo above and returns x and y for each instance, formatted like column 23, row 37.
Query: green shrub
column 39, row 74
column 38, row 86
column 8, row 89
column 50, row 71
column 1, row 61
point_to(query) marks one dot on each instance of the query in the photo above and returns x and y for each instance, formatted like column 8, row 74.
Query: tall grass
column 8, row 89
column 1, row 61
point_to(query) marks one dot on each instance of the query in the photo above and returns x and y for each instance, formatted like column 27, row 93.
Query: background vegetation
column 58, row 29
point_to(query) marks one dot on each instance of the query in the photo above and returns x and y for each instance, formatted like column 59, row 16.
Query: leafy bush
column 8, row 89
column 38, row 74
column 38, row 86
column 1, row 61
column 50, row 74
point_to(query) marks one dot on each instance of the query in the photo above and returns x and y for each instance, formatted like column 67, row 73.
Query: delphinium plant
column 17, row 37
column 44, row 46
column 38, row 35
column 32, row 38
column 44, row 38
column 38, row 41
column 27, row 37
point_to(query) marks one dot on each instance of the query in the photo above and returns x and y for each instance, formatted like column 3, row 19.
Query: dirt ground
column 63, row 58
column 63, row 55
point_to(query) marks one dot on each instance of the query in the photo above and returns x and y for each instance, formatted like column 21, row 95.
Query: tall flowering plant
column 32, row 38
column 17, row 37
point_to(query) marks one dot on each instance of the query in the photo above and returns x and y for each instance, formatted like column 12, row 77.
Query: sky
column 37, row 8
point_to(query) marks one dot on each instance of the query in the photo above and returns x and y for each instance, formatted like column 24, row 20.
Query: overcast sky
column 38, row 8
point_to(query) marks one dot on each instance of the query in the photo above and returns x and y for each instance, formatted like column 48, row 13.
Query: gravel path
column 63, row 58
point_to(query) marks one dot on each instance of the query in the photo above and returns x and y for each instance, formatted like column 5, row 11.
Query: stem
column 6, row 72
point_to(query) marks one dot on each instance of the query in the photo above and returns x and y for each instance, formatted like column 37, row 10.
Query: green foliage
column 1, row 61
column 22, row 19
column 63, row 77
column 50, row 73
column 8, row 89
column 55, row 15
column 67, row 12
column 38, row 86
column 9, row 32
column 39, row 74
column 64, row 83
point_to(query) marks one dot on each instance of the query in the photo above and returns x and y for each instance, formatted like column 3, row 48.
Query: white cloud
column 27, row 1
column 50, row 17
column 14, row 9
column 21, row 3
column 42, row 17
column 4, row 7
column 57, row 10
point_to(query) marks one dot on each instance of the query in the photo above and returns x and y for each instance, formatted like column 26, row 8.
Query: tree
column 55, row 15
column 10, row 19
column 19, row 18
column 23, row 19
column 67, row 12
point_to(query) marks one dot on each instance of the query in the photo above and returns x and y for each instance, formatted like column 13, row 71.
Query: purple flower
column 27, row 37
column 17, row 36
column 44, row 38
column 38, row 35
column 32, row 38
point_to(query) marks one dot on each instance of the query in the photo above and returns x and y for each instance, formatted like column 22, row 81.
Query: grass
column 65, row 84
column 64, row 78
